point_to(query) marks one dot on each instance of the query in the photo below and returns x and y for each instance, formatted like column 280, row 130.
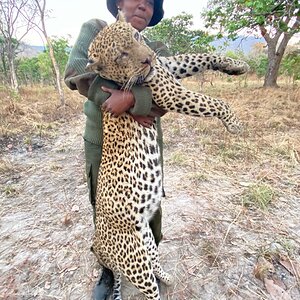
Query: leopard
column 129, row 189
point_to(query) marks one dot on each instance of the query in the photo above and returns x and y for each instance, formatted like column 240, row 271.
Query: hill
column 244, row 44
column 30, row 51
column 222, row 45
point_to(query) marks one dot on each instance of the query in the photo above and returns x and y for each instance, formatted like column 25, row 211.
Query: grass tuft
column 258, row 195
column 10, row 190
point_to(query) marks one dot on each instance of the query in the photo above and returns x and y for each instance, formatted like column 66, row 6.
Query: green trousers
column 93, row 159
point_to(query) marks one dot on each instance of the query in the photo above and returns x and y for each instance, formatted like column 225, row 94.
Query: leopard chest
column 129, row 182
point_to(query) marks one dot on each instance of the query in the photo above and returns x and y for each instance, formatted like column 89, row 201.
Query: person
column 101, row 92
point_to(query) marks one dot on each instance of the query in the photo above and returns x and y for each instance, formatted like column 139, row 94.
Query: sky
column 66, row 17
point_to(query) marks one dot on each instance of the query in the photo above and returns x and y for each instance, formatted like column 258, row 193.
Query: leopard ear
column 121, row 16
column 93, row 66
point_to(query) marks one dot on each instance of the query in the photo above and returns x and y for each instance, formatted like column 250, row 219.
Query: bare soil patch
column 231, row 215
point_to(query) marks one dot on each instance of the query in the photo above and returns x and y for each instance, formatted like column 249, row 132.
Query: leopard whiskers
column 157, row 52
column 137, row 78
column 128, row 85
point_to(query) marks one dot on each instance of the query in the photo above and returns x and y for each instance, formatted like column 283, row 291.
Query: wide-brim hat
column 158, row 12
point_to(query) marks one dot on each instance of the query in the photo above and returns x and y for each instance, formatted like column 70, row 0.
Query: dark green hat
column 158, row 12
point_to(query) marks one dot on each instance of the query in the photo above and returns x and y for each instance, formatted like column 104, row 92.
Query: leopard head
column 119, row 53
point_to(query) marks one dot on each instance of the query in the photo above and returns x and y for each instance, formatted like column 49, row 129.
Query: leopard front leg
column 170, row 95
column 185, row 65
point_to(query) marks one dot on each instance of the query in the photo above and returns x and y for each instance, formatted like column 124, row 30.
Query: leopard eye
column 124, row 54
column 121, row 57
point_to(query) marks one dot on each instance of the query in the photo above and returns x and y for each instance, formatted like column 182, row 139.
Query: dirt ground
column 218, row 243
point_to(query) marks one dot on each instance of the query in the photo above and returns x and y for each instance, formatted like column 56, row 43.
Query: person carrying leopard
column 108, row 95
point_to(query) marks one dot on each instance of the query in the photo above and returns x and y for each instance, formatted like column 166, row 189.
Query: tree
column 275, row 20
column 41, row 7
column 3, row 60
column 15, row 23
column 177, row 35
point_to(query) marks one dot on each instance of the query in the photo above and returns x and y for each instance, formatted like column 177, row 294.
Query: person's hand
column 118, row 102
column 147, row 121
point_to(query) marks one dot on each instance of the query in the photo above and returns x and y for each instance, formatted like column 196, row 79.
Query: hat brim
column 158, row 12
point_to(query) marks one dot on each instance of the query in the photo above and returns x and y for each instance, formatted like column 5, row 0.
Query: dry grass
column 35, row 112
column 231, row 213
column 252, row 185
column 271, row 118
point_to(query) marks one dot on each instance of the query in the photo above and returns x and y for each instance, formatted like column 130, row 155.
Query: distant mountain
column 29, row 51
column 244, row 44
column 222, row 45
column 38, row 48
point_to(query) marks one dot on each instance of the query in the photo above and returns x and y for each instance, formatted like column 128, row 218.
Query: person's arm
column 90, row 84
column 76, row 77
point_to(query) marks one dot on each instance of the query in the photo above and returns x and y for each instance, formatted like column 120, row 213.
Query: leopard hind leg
column 135, row 264
column 117, row 286
column 153, row 252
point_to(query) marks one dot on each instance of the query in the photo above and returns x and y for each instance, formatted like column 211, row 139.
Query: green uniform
column 89, row 85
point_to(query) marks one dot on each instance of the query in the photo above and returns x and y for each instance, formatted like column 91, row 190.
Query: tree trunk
column 57, row 73
column 42, row 8
column 275, row 54
column 13, row 76
column 272, row 70
column 4, row 66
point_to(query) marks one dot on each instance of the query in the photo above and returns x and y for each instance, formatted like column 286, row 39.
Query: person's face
column 137, row 12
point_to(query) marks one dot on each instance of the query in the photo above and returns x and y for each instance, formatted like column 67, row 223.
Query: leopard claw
column 235, row 128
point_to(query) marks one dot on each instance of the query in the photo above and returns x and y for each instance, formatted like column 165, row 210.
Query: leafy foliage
column 61, row 52
column 258, row 65
column 28, row 70
column 177, row 35
column 275, row 20
column 235, row 15
column 291, row 65
column 40, row 69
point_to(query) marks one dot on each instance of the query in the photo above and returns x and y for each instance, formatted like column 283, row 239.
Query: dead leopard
column 130, row 178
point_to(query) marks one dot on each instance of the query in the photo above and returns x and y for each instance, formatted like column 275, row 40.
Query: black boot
column 104, row 286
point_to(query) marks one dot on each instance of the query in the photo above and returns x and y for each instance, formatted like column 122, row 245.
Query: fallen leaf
column 275, row 291
column 278, row 282
column 292, row 267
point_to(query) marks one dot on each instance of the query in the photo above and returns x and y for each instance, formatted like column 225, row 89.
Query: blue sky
column 66, row 17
